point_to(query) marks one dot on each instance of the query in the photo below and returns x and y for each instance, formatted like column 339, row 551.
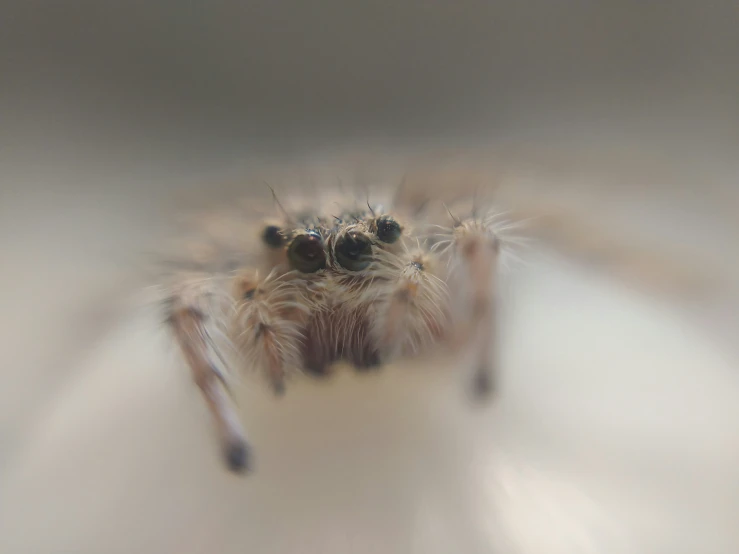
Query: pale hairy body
column 297, row 290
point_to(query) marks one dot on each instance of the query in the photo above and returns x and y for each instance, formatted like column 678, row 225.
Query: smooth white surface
column 616, row 431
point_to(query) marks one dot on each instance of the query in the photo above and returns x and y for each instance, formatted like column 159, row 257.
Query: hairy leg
column 189, row 324
column 475, row 250
column 261, row 317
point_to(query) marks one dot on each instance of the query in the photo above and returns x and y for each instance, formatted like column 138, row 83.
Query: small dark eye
column 306, row 253
column 272, row 236
column 388, row 230
column 354, row 252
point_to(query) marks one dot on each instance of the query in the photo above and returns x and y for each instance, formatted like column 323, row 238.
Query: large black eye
column 306, row 253
column 354, row 251
column 272, row 236
column 388, row 230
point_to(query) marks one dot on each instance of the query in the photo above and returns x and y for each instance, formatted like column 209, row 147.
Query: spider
column 353, row 282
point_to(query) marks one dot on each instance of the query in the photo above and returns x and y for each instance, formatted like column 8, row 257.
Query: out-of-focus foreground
column 614, row 125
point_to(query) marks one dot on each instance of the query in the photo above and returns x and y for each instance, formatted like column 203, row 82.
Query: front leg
column 259, row 317
column 189, row 325
column 475, row 252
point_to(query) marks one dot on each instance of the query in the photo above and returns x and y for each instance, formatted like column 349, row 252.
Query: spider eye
column 354, row 252
column 388, row 230
column 273, row 237
column 306, row 253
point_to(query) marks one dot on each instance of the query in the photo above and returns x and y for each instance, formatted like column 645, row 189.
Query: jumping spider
column 357, row 285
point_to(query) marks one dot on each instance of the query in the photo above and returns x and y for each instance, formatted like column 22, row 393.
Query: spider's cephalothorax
column 354, row 285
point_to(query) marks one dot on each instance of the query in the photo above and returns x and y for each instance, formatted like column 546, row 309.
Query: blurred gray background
column 617, row 119
column 167, row 81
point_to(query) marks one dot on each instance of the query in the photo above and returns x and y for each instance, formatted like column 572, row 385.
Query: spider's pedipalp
column 410, row 309
column 267, row 326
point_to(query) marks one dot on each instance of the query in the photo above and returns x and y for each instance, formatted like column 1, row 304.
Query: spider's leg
column 190, row 321
column 475, row 256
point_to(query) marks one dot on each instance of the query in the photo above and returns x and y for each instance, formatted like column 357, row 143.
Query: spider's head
column 346, row 242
